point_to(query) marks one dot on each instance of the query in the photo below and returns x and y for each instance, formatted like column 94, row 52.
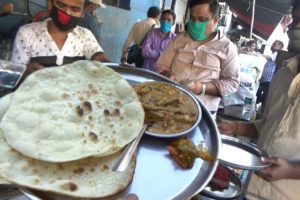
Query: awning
column 268, row 13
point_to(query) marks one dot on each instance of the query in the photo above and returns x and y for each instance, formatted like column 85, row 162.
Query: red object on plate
column 220, row 180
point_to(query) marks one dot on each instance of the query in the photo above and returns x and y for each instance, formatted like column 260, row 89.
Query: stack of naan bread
column 63, row 129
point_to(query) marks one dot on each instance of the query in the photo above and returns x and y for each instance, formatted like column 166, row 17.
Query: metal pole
column 252, row 19
column 163, row 5
column 173, row 5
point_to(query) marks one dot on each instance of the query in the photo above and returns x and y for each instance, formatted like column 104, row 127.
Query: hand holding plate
column 279, row 169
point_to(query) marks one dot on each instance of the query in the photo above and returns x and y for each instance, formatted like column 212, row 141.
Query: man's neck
column 58, row 36
column 164, row 34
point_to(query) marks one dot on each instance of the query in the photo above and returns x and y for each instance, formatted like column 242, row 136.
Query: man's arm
column 100, row 56
column 93, row 50
column 147, row 50
column 229, row 75
column 237, row 128
column 164, row 62
column 21, row 50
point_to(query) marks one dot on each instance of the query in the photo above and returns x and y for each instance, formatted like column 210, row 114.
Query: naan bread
column 3, row 181
column 71, row 112
column 86, row 178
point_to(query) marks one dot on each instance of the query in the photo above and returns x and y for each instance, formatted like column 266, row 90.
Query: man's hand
column 123, row 60
column 279, row 169
column 32, row 67
column 101, row 57
column 195, row 87
column 227, row 127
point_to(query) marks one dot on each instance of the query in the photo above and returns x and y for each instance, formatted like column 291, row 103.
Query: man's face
column 276, row 46
column 167, row 17
column 202, row 13
column 71, row 7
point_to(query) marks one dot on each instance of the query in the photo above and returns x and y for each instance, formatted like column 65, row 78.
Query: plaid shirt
column 268, row 71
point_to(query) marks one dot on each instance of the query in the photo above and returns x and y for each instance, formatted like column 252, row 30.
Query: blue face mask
column 165, row 26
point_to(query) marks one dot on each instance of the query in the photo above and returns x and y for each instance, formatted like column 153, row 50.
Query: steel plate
column 240, row 154
column 235, row 188
column 156, row 175
column 10, row 74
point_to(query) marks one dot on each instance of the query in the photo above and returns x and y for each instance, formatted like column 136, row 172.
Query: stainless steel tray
column 240, row 154
column 235, row 188
column 156, row 175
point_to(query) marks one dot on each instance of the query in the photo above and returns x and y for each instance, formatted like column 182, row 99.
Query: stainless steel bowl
column 199, row 115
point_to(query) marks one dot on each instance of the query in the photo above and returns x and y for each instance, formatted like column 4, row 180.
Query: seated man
column 58, row 40
column 158, row 39
column 202, row 59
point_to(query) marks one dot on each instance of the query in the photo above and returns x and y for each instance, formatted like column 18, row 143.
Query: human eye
column 60, row 5
column 76, row 9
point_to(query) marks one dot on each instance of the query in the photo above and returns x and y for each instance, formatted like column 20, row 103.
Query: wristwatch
column 203, row 89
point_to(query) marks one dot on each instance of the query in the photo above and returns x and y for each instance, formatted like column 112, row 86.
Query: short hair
column 213, row 5
column 170, row 12
column 280, row 43
column 153, row 12
column 251, row 42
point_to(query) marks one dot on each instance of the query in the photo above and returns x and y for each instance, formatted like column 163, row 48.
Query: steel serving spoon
column 123, row 161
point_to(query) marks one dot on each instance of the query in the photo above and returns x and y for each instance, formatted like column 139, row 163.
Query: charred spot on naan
column 69, row 186
column 93, row 137
column 87, row 106
column 79, row 170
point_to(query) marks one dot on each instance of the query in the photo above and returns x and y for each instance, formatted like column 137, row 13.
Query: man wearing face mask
column 58, row 40
column 278, row 132
column 202, row 59
column 158, row 39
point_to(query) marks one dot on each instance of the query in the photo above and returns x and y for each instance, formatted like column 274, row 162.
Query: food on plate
column 168, row 109
column 184, row 152
column 71, row 112
column 220, row 180
column 86, row 178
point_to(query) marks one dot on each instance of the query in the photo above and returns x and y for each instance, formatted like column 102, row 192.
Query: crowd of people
column 201, row 59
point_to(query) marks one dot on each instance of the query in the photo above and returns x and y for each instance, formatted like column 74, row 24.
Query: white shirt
column 33, row 40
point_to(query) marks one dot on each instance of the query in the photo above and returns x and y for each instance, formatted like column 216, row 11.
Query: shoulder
column 83, row 31
column 35, row 26
column 223, row 44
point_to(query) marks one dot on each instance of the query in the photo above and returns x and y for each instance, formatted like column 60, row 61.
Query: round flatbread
column 5, row 103
column 86, row 178
column 71, row 112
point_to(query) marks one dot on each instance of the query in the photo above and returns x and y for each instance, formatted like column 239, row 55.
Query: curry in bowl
column 169, row 110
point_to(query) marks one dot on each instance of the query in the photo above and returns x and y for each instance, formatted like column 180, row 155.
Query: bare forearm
column 211, row 89
column 100, row 57
column 245, row 129
column 294, row 172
